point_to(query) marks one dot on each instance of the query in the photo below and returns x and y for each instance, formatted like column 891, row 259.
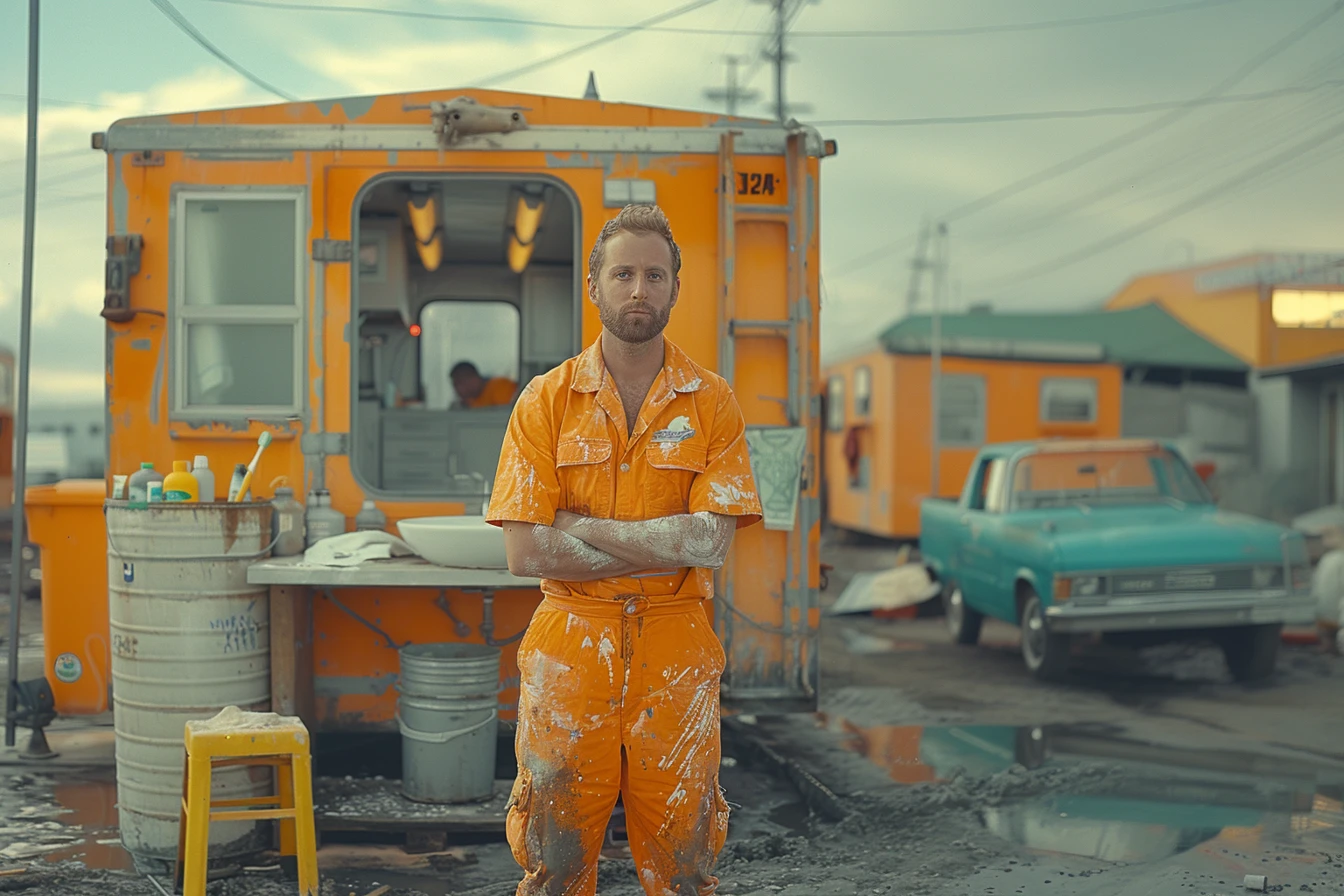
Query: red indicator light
column 415, row 329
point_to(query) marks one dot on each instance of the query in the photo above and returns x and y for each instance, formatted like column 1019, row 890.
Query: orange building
column 1284, row 315
column 1011, row 377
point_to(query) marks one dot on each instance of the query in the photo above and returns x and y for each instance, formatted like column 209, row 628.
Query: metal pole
column 780, row 13
column 936, row 350
column 21, row 410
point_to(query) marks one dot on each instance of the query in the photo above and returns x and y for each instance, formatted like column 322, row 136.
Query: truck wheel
column 962, row 621
column 1046, row 654
column 1251, row 651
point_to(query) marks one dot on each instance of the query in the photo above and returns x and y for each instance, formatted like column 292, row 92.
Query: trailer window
column 835, row 403
column 1068, row 400
column 863, row 391
column 238, row 310
column 961, row 411
column 482, row 334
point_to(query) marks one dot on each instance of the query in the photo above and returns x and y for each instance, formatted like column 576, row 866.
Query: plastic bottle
column 239, row 472
column 289, row 524
column 205, row 478
column 322, row 520
column 155, row 489
column 371, row 518
column 137, row 487
column 180, row 485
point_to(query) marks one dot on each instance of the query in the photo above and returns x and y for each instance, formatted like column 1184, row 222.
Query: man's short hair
column 635, row 219
column 463, row 368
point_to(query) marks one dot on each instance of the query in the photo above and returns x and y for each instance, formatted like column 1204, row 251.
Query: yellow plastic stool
column 236, row 737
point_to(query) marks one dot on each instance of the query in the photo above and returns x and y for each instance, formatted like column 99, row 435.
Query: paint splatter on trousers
column 615, row 702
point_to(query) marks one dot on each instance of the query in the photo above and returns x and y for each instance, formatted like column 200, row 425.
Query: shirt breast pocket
column 583, row 467
column 670, row 474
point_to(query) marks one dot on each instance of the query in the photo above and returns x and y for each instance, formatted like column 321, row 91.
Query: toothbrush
column 262, row 441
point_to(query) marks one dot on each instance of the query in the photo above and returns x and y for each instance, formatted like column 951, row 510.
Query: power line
column 1094, row 112
column 1109, row 146
column 1208, row 157
column 54, row 102
column 1240, row 179
column 584, row 47
column 166, row 7
column 735, row 32
column 48, row 157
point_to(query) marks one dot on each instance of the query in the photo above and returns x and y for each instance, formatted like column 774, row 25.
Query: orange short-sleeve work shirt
column 567, row 448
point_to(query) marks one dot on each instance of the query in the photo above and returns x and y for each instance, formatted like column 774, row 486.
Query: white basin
column 465, row 542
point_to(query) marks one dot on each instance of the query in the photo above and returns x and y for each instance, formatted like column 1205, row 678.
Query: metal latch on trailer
column 333, row 250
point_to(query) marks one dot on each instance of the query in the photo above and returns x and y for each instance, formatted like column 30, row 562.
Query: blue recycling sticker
column 128, row 572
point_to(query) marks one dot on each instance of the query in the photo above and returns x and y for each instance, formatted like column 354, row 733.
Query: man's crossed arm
column 581, row 549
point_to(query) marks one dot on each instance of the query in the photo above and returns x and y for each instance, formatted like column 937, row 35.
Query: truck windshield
column 1057, row 479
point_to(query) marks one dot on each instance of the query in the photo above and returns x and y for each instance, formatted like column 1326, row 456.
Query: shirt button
column 625, row 468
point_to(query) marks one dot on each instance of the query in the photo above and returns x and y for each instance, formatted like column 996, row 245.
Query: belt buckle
column 635, row 605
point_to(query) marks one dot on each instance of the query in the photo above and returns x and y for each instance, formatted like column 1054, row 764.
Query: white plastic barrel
column 189, row 637
column 448, row 714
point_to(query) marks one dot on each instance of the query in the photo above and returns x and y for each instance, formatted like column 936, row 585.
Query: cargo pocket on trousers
column 517, row 813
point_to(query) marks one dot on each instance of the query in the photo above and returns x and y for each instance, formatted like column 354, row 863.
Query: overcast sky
column 1218, row 180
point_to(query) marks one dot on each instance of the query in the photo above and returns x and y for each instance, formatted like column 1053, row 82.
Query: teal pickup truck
column 1113, row 538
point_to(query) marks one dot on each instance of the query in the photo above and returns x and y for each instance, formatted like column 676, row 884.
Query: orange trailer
column 878, row 445
column 315, row 270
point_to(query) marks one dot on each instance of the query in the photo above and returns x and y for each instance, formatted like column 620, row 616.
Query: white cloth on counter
column 354, row 548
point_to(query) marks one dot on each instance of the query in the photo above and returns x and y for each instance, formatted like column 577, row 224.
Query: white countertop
column 401, row 572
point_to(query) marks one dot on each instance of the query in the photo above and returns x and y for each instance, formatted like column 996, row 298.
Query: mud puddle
column 1084, row 800
column 70, row 817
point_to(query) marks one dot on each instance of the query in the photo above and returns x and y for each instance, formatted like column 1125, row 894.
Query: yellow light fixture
column 424, row 214
column 527, row 219
column 431, row 253
column 519, row 254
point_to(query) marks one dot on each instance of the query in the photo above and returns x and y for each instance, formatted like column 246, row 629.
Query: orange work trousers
column 618, row 697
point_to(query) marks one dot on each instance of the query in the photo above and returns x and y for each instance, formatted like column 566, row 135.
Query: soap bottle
column 138, row 485
column 205, row 478
column 288, row 528
column 322, row 520
column 180, row 485
column 370, row 518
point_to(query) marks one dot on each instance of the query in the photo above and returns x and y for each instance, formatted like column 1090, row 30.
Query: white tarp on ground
column 889, row 589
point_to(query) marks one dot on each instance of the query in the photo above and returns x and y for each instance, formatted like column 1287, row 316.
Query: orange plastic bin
column 65, row 521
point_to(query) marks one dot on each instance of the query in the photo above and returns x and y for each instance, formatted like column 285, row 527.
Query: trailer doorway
column 465, row 288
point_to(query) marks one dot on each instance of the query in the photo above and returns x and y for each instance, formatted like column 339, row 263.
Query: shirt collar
column 682, row 373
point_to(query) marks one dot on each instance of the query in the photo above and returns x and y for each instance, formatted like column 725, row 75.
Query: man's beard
column 634, row 329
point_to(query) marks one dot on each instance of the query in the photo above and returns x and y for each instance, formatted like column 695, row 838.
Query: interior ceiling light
column 527, row 219
column 423, row 211
column 519, row 255
column 431, row 253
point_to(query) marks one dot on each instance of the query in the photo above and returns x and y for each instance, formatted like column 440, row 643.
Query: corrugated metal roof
column 1142, row 336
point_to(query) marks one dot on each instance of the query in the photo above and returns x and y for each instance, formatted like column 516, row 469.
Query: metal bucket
column 449, row 719
column 189, row 637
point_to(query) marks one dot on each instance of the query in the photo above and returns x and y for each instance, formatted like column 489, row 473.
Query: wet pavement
column 931, row 770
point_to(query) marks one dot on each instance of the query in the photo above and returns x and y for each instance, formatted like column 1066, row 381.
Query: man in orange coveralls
column 623, row 476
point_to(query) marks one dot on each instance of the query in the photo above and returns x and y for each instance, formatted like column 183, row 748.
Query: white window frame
column 183, row 314
column 978, row 384
column 835, row 404
column 1048, row 384
column 863, row 391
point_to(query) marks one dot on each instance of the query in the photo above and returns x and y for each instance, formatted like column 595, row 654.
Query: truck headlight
column 1084, row 586
column 1266, row 577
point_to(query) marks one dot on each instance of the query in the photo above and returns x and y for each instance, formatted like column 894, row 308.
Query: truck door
column 981, row 548
column 766, row 607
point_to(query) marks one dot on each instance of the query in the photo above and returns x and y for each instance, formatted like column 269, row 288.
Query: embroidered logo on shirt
column 679, row 430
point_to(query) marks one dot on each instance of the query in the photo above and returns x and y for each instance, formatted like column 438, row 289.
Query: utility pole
column 732, row 93
column 918, row 265
column 939, row 266
column 17, row 528
column 777, row 53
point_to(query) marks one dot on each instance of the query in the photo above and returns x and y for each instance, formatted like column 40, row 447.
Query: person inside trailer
column 475, row 391
column 623, row 476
